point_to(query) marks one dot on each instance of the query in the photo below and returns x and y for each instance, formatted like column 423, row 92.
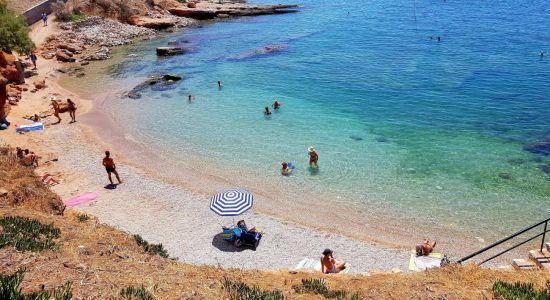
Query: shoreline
column 112, row 206
column 159, row 218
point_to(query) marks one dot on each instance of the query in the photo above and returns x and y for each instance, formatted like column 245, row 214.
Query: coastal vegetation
column 153, row 249
column 133, row 293
column 10, row 288
column 14, row 32
column 27, row 235
column 520, row 291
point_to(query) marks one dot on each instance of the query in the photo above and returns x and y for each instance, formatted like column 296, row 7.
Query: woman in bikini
column 72, row 110
column 329, row 264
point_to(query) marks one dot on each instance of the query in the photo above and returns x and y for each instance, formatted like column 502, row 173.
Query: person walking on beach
column 44, row 18
column 313, row 157
column 33, row 58
column 55, row 107
column 110, row 167
column 329, row 264
column 72, row 110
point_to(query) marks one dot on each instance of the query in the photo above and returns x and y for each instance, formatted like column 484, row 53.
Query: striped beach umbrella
column 232, row 202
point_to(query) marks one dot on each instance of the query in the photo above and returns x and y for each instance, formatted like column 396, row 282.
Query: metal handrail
column 543, row 233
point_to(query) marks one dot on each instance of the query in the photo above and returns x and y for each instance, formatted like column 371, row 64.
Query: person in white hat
column 313, row 157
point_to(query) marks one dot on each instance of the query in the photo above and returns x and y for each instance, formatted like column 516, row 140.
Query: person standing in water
column 219, row 84
column 110, row 167
column 267, row 112
column 313, row 157
column 276, row 104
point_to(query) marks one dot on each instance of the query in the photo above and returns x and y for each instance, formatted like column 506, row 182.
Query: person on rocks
column 110, row 167
column 72, row 110
column 44, row 18
column 33, row 58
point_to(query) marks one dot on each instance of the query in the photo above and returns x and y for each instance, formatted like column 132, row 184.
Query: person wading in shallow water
column 110, row 167
column 313, row 157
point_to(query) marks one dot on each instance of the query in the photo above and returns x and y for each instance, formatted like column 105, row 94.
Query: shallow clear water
column 404, row 125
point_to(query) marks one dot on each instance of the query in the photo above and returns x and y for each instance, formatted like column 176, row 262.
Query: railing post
column 543, row 236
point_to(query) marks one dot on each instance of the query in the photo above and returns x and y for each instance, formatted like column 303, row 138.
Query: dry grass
column 20, row 187
column 101, row 261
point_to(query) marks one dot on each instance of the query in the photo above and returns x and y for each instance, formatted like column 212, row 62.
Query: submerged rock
column 355, row 138
column 540, row 147
column 156, row 83
column 167, row 51
column 505, row 176
column 381, row 139
column 545, row 168
column 516, row 161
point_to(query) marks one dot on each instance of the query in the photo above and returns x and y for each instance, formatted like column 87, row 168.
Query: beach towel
column 81, row 199
column 421, row 263
column 315, row 265
column 30, row 127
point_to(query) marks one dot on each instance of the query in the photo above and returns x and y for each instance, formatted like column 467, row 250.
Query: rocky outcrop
column 262, row 51
column 39, row 84
column 160, row 82
column 167, row 51
column 203, row 12
column 4, row 106
column 64, row 56
column 540, row 147
column 10, row 73
column 153, row 23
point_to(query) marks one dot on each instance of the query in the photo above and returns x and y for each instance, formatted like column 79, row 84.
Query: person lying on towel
column 425, row 248
column 242, row 225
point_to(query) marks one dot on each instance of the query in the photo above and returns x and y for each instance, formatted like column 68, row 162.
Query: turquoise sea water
column 405, row 126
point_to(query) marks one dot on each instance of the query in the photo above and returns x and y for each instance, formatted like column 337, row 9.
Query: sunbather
column 425, row 248
column 329, row 264
column 242, row 225
column 48, row 179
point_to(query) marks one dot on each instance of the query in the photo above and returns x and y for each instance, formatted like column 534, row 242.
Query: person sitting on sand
column 29, row 159
column 329, row 264
column 276, row 105
column 313, row 157
column 110, row 167
column 285, row 170
column 267, row 112
column 242, row 225
column 55, row 106
column 425, row 248
column 72, row 110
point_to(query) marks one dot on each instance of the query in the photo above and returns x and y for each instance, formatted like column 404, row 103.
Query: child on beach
column 110, row 167
column 313, row 157
column 329, row 264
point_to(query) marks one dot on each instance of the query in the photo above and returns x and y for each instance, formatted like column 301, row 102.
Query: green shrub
column 133, row 293
column 520, row 291
column 27, row 235
column 14, row 32
column 157, row 249
column 9, row 289
column 83, row 217
column 76, row 17
column 241, row 291
column 319, row 287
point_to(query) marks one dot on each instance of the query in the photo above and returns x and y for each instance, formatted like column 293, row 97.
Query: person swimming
column 285, row 169
column 313, row 157
column 541, row 54
column 267, row 112
column 276, row 105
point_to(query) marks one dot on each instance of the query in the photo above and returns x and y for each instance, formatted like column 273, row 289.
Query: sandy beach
column 163, row 212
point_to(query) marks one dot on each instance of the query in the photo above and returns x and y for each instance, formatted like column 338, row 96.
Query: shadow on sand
column 111, row 186
column 225, row 246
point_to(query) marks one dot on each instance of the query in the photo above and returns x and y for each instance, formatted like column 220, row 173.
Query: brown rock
column 166, row 51
column 199, row 14
column 10, row 58
column 70, row 47
column 191, row 4
column 3, row 61
column 10, row 73
column 64, row 56
column 39, row 84
column 154, row 23
column 3, row 98
column 48, row 55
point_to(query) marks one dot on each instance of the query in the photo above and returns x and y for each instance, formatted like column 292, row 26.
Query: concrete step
column 548, row 246
column 524, row 264
column 541, row 258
